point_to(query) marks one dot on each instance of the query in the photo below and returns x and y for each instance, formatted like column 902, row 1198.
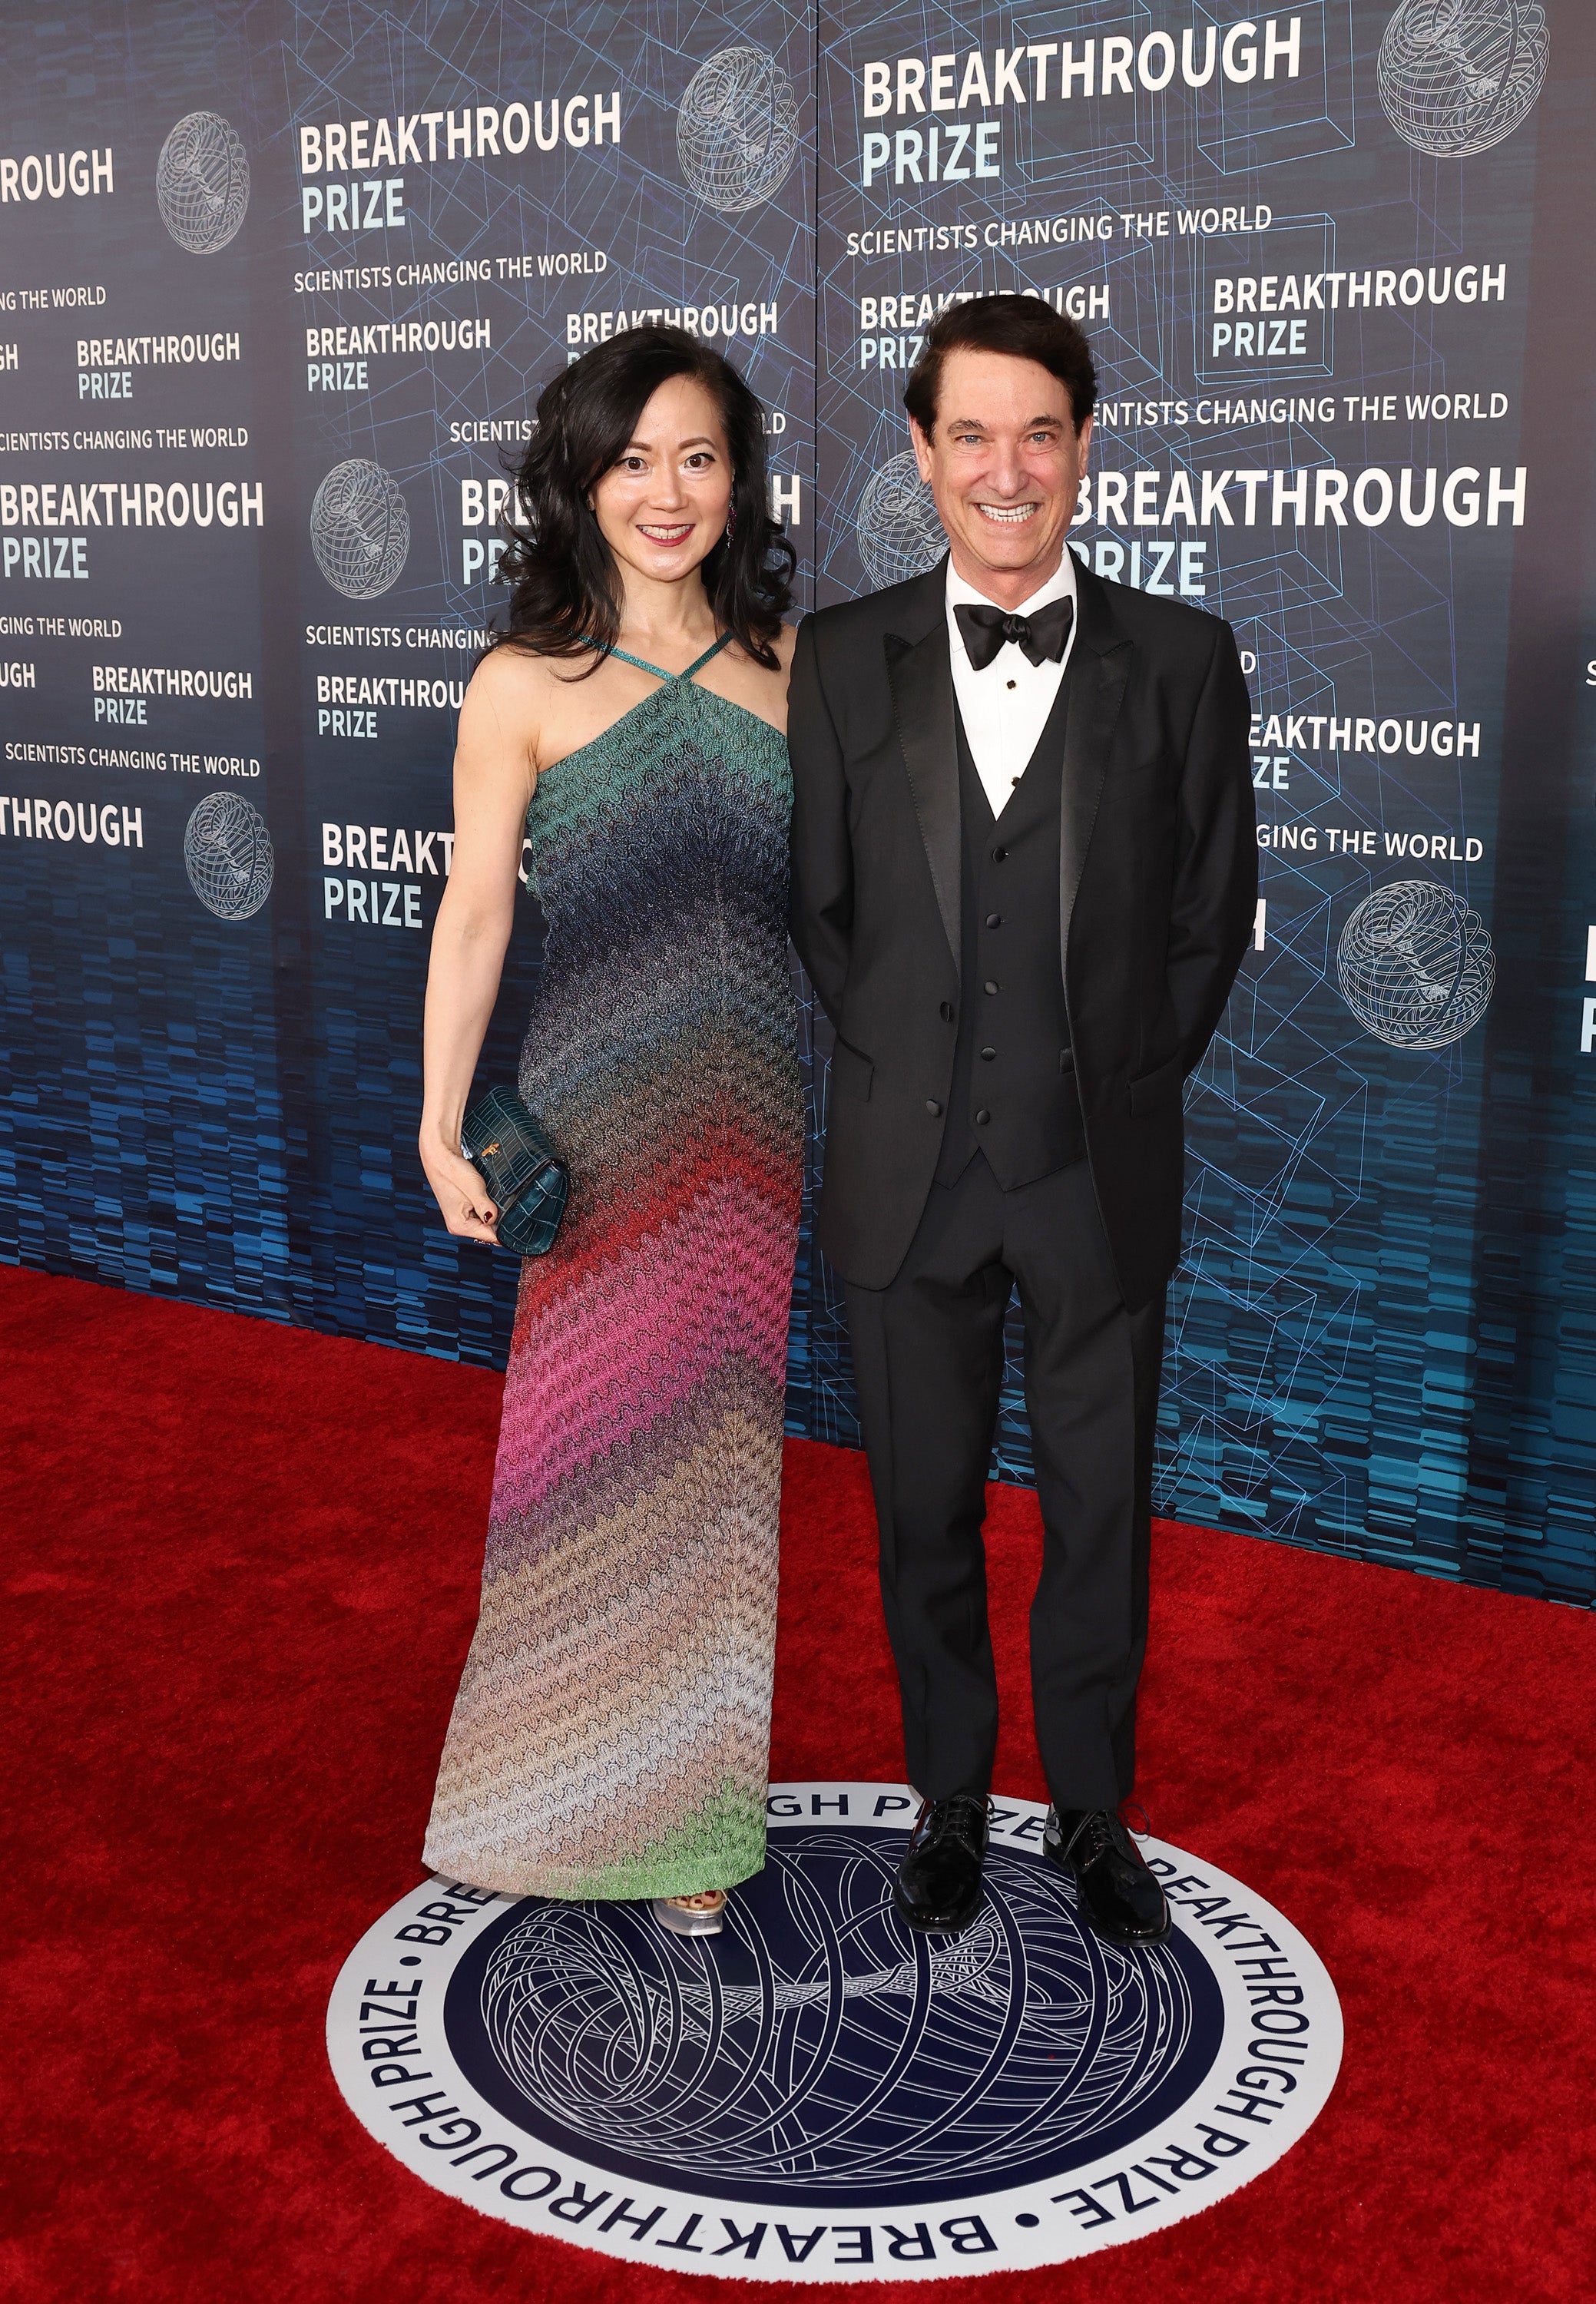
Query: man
column 1024, row 873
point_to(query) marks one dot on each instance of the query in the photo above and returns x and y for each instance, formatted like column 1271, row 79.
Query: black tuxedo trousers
column 928, row 1362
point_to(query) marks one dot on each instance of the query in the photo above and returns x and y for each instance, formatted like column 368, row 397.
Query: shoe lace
column 1102, row 1832
column 962, row 1817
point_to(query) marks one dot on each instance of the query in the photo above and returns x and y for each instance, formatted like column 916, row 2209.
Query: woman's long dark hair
column 565, row 600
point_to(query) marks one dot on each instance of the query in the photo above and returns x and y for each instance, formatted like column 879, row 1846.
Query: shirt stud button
column 1011, row 683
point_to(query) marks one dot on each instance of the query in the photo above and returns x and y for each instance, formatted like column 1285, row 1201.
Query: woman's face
column 662, row 505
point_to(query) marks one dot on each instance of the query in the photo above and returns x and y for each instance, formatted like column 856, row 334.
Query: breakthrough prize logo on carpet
column 819, row 2093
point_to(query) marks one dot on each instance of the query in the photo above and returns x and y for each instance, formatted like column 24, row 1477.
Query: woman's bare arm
column 494, row 775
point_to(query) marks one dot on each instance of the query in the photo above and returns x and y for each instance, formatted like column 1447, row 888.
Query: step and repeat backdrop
column 278, row 288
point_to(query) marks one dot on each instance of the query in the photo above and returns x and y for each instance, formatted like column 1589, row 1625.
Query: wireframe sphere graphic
column 737, row 130
column 359, row 529
column 227, row 851
column 202, row 182
column 1455, row 76
column 1415, row 965
column 900, row 534
column 773, row 2069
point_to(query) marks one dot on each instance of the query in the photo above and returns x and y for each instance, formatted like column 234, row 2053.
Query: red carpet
column 241, row 1565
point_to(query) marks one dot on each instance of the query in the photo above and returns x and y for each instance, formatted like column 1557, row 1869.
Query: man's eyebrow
column 975, row 424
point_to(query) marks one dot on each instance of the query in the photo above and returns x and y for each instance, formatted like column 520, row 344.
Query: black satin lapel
column 1097, row 690
column 922, row 682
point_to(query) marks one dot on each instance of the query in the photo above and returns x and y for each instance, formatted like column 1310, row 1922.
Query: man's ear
column 1083, row 442
column 922, row 450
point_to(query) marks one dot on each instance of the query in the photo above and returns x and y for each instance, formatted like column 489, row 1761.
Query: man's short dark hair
column 1023, row 327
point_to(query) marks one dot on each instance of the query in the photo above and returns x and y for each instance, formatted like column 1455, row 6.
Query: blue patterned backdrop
column 1335, row 262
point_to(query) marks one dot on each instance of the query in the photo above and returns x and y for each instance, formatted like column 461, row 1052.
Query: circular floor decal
column 820, row 2093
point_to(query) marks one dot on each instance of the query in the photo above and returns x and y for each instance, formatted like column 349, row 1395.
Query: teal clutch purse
column 526, row 1177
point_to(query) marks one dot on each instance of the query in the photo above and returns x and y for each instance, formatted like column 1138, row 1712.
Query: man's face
column 1005, row 465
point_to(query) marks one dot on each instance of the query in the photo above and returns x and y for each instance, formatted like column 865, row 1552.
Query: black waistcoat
column 1014, row 1085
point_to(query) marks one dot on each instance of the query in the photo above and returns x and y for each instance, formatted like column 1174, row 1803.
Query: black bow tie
column 1043, row 637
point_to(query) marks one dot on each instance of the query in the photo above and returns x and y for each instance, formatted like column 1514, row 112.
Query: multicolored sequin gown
column 610, row 1736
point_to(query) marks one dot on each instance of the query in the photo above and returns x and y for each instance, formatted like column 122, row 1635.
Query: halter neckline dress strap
column 696, row 666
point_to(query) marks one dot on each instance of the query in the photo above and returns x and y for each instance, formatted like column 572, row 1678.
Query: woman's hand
column 459, row 1190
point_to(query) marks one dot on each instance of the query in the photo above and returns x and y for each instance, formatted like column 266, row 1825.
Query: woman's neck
column 667, row 614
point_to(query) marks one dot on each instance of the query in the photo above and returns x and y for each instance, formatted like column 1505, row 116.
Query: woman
column 611, row 1733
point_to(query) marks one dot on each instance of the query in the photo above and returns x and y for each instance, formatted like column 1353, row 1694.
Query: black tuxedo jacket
column 1158, row 882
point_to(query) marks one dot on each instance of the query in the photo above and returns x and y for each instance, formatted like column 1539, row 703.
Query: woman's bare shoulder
column 782, row 641
column 758, row 688
column 510, row 681
column 519, row 703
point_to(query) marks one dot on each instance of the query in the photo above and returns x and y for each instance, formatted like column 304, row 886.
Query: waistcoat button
column 933, row 1107
column 994, row 919
column 946, row 1011
column 988, row 1053
column 981, row 1119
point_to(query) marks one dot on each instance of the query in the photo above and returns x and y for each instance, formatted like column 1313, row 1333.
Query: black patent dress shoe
column 1115, row 1890
column 938, row 1885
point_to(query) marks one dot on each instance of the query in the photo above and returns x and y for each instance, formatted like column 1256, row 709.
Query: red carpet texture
column 240, row 1566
